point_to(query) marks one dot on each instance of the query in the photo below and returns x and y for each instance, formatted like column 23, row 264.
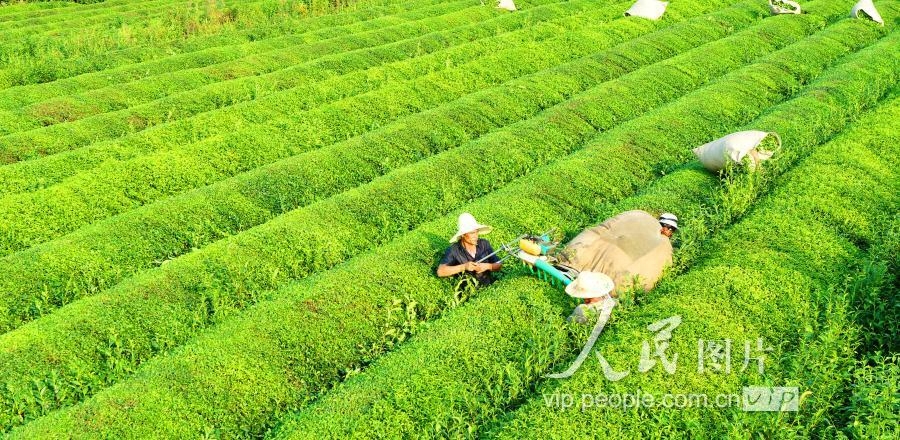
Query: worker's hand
column 482, row 267
column 471, row 266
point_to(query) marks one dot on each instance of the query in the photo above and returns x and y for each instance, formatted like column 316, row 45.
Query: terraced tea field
column 222, row 219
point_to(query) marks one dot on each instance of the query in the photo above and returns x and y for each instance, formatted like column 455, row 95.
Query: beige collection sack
column 733, row 148
column 649, row 9
column 627, row 245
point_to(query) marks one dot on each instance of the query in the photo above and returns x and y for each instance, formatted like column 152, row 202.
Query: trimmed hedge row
column 83, row 16
column 321, row 80
column 100, row 256
column 19, row 10
column 119, row 60
column 42, row 141
column 19, row 96
column 81, row 113
column 119, row 109
column 492, row 369
column 186, row 31
column 873, row 304
column 873, row 402
column 11, row 10
column 99, row 13
column 858, row 399
column 769, row 277
column 25, row 45
column 48, row 55
column 455, row 373
column 253, row 136
column 384, row 294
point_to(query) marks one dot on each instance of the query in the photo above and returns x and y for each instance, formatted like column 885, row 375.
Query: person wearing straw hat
column 467, row 251
column 594, row 288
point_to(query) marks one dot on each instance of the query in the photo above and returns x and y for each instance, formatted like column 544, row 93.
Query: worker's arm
column 445, row 270
column 484, row 267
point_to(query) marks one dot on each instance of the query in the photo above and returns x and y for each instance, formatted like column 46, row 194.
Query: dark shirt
column 456, row 254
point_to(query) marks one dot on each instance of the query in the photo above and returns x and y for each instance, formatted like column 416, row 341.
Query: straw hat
column 590, row 285
column 467, row 223
column 668, row 219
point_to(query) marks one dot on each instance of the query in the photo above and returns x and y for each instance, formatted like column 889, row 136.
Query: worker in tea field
column 467, row 251
column 594, row 288
column 669, row 224
column 629, row 250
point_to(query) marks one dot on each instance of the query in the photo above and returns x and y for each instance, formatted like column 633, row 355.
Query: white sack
column 733, row 148
column 868, row 8
column 651, row 9
column 507, row 4
column 784, row 7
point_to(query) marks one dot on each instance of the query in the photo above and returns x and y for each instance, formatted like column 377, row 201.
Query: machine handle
column 554, row 272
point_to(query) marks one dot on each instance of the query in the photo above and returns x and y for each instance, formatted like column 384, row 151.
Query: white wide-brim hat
column 590, row 285
column 668, row 219
column 466, row 224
